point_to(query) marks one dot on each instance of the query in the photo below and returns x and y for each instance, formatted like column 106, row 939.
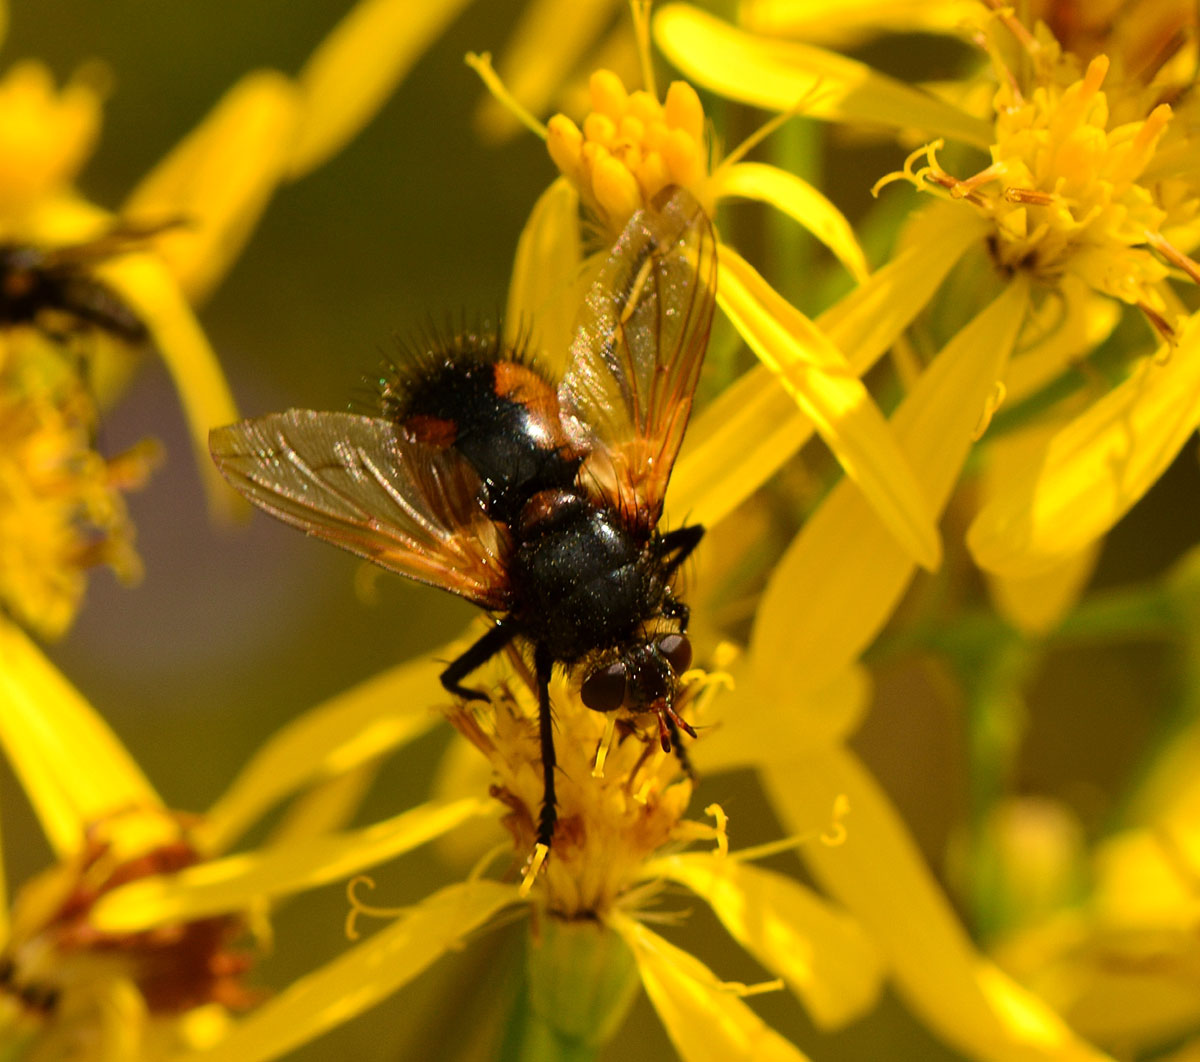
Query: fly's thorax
column 584, row 580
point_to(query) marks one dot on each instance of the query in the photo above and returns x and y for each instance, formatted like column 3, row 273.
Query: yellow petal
column 378, row 715
column 71, row 765
column 1061, row 333
column 1035, row 603
column 845, row 565
column 881, row 878
column 800, row 201
column 151, row 292
column 1095, row 468
column 817, row 376
column 355, row 69
column 769, row 717
column 779, row 75
column 327, row 806
column 241, row 881
column 362, row 976
column 706, row 1021
column 847, row 21
column 218, row 180
column 736, row 444
column 822, row 954
column 541, row 52
column 548, row 269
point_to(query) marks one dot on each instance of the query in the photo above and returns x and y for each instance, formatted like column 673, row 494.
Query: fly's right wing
column 359, row 483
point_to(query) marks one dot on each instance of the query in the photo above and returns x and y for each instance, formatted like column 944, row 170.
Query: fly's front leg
column 476, row 656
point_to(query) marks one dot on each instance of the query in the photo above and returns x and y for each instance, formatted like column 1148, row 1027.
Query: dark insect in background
column 57, row 290
column 539, row 503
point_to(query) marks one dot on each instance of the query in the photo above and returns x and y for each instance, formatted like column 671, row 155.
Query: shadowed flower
column 162, row 974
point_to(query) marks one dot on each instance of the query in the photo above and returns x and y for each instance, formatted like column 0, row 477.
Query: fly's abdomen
column 503, row 417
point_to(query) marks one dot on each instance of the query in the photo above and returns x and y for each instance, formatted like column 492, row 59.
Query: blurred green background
column 233, row 631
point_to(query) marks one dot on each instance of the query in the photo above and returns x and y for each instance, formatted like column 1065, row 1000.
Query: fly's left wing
column 359, row 483
column 635, row 359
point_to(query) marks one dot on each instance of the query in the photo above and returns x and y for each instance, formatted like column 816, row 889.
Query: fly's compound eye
column 604, row 690
column 678, row 651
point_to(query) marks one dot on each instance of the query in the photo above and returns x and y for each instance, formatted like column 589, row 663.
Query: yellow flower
column 61, row 506
column 620, row 843
column 629, row 147
column 1090, row 194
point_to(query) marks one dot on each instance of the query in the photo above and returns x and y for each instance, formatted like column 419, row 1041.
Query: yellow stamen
column 358, row 907
column 722, row 827
column 610, row 728
column 482, row 65
column 536, row 862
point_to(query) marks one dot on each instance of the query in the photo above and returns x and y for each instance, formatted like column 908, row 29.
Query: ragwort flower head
column 1067, row 191
column 67, row 984
column 62, row 510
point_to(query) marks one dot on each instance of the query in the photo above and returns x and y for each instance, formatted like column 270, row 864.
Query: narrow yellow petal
column 878, row 873
column 817, row 376
column 542, row 296
column 735, row 445
column 145, row 284
column 822, row 954
column 355, row 69
column 867, row 321
column 800, row 201
column 847, row 21
column 326, row 806
column 1061, row 333
column 705, row 1020
column 779, row 75
column 72, row 766
column 356, row 726
column 1035, row 603
column 845, row 564
column 762, row 719
column 239, row 881
column 218, row 179
column 362, row 976
column 1094, row 469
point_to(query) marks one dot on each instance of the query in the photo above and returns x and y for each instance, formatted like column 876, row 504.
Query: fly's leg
column 477, row 655
column 543, row 664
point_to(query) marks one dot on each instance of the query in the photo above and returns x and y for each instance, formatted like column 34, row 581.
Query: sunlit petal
column 845, row 21
column 779, row 75
column 356, row 68
column 762, row 718
column 739, row 441
column 845, row 565
column 817, row 376
column 1096, row 467
column 369, row 719
column 362, row 976
column 706, row 1020
column 236, row 882
column 218, row 180
column 820, row 952
column 878, row 873
column 71, row 765
column 800, row 201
